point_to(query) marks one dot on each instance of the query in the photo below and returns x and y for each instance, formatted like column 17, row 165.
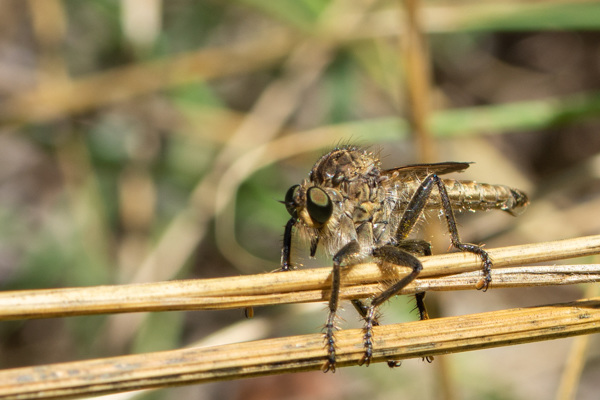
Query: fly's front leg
column 416, row 207
column 286, row 250
column 348, row 255
column 396, row 256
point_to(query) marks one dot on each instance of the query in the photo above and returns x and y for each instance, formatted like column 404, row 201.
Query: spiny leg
column 422, row 248
column 348, row 255
column 417, row 205
column 485, row 281
column 396, row 256
column 413, row 246
column 363, row 310
column 420, row 297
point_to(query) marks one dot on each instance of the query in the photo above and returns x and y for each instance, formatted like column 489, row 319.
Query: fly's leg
column 485, row 281
column 422, row 248
column 363, row 310
column 348, row 255
column 286, row 250
column 414, row 210
column 420, row 297
column 423, row 315
column 416, row 246
column 393, row 255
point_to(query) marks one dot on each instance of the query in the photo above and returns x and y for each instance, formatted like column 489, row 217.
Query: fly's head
column 313, row 206
column 339, row 195
column 315, row 211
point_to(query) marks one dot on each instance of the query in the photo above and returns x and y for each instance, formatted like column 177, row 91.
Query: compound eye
column 289, row 202
column 318, row 204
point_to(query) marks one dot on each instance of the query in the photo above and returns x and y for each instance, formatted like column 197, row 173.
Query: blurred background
column 149, row 140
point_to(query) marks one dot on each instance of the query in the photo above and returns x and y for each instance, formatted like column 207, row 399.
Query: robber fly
column 357, row 211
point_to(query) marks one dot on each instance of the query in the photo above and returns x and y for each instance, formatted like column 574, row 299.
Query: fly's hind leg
column 418, row 247
column 423, row 248
column 393, row 255
column 414, row 210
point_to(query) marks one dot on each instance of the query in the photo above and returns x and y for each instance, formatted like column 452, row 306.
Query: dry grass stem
column 576, row 359
column 418, row 71
column 306, row 285
column 300, row 353
column 76, row 96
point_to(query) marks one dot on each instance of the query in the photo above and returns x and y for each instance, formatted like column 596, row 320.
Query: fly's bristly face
column 310, row 204
column 316, row 212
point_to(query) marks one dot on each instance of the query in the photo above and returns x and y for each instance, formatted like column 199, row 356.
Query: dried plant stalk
column 300, row 353
column 306, row 352
column 88, row 93
column 304, row 285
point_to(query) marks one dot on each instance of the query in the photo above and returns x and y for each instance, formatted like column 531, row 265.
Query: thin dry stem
column 306, row 285
column 418, row 69
column 49, row 102
column 300, row 353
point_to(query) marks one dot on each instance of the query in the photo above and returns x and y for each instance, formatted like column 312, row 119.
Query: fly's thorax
column 350, row 177
column 344, row 165
column 361, row 216
column 348, row 180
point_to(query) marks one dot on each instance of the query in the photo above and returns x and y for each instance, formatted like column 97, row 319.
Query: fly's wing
column 420, row 171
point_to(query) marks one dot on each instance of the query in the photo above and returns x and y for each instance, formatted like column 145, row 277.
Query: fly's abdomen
column 475, row 196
